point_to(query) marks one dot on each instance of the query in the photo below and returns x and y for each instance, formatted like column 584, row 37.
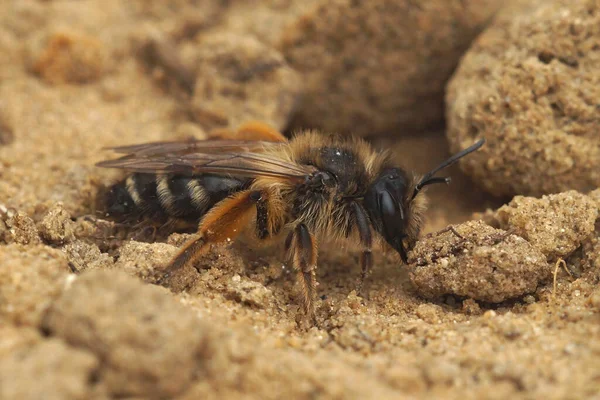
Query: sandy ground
column 231, row 328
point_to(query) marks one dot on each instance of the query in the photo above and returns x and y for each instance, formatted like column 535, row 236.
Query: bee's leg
column 302, row 250
column 222, row 222
column 252, row 130
column 403, row 254
column 366, row 240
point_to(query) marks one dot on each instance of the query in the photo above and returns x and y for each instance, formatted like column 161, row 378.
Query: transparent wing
column 228, row 157
column 195, row 146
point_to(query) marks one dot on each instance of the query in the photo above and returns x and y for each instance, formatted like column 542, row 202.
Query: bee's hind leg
column 223, row 222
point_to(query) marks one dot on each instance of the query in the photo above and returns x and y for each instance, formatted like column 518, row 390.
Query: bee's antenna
column 429, row 177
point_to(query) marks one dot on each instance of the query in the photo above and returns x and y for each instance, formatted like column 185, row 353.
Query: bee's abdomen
column 185, row 197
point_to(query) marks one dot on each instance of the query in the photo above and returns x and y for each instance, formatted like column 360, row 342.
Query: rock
column 487, row 264
column 556, row 224
column 30, row 279
column 379, row 66
column 239, row 79
column 67, row 56
column 529, row 85
column 48, row 370
column 150, row 345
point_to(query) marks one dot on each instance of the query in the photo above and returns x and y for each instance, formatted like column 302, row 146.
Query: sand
column 80, row 317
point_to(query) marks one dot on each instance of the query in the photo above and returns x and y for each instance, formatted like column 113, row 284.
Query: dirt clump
column 238, row 79
column 555, row 224
column 148, row 344
column 59, row 371
column 520, row 86
column 482, row 263
column 83, row 256
column 248, row 292
column 144, row 260
column 66, row 56
column 56, row 226
column 334, row 45
column 17, row 227
column 30, row 279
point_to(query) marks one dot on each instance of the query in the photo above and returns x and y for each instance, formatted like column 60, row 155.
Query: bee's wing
column 226, row 157
column 194, row 146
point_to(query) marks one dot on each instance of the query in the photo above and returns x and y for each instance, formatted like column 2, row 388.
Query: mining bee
column 255, row 180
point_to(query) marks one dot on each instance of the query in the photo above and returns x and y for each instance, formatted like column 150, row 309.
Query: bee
column 256, row 181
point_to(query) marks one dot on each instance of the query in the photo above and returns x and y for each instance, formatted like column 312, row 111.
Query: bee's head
column 395, row 204
column 385, row 202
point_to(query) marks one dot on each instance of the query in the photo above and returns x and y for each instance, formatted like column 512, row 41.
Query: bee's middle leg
column 302, row 250
column 366, row 240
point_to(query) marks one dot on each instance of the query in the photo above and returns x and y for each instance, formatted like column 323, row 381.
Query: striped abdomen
column 185, row 197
